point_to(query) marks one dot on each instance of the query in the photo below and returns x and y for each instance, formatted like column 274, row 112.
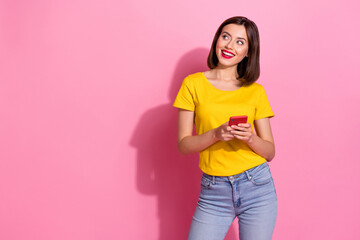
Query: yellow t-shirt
column 214, row 107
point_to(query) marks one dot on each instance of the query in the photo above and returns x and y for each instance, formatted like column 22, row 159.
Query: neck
column 229, row 73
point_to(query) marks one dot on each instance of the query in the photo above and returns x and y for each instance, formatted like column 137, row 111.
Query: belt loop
column 248, row 175
column 213, row 179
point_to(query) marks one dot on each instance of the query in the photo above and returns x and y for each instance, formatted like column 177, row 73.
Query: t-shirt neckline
column 229, row 91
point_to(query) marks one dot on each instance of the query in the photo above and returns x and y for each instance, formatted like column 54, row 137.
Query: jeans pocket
column 205, row 183
column 261, row 177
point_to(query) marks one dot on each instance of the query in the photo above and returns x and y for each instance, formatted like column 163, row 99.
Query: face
column 232, row 45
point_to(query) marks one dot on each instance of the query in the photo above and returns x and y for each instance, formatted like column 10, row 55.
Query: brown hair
column 249, row 68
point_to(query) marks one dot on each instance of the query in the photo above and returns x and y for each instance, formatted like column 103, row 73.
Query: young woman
column 236, row 179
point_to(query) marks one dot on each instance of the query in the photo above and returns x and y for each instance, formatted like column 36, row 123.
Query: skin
column 224, row 77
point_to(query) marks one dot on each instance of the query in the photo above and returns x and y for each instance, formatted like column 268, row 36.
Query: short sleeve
column 185, row 96
column 263, row 108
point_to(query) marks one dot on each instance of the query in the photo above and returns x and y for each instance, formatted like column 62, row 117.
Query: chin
column 226, row 64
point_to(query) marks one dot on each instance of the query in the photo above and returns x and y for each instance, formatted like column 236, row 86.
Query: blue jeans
column 249, row 196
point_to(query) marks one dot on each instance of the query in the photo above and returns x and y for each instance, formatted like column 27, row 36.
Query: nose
column 229, row 44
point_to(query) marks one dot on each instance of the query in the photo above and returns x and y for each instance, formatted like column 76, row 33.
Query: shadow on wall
column 161, row 170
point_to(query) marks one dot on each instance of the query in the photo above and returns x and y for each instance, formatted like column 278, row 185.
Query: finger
column 242, row 129
column 242, row 137
column 241, row 133
column 246, row 125
column 248, row 130
column 238, row 137
column 238, row 133
column 228, row 135
column 235, row 127
column 229, row 129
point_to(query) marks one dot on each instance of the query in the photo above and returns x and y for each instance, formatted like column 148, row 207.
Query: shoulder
column 255, row 87
column 255, row 90
column 195, row 76
column 193, row 79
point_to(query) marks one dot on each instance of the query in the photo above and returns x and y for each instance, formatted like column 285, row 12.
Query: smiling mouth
column 227, row 54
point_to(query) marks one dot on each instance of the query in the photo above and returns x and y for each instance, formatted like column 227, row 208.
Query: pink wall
column 88, row 136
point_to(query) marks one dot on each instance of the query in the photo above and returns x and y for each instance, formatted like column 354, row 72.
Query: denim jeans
column 249, row 196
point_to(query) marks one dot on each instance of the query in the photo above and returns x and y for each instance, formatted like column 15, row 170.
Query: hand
column 223, row 132
column 243, row 131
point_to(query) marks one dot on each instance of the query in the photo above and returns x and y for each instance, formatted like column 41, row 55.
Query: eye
column 225, row 37
column 240, row 42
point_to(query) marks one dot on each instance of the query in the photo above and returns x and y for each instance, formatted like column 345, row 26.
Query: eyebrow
column 237, row 37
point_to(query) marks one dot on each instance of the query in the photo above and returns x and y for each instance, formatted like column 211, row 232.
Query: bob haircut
column 249, row 68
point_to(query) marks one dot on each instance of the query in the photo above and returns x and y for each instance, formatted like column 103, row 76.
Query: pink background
column 88, row 134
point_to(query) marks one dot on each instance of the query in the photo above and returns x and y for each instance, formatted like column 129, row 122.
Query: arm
column 187, row 143
column 262, row 142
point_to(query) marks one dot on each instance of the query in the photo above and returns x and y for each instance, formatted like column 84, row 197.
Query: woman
column 236, row 179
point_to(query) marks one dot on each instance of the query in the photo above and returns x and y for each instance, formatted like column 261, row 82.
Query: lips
column 226, row 54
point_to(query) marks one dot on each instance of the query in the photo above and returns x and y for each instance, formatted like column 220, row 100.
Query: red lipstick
column 226, row 54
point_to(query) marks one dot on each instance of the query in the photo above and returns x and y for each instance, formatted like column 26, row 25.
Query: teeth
column 228, row 54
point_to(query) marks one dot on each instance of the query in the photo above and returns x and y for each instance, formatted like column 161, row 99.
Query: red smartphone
column 235, row 120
